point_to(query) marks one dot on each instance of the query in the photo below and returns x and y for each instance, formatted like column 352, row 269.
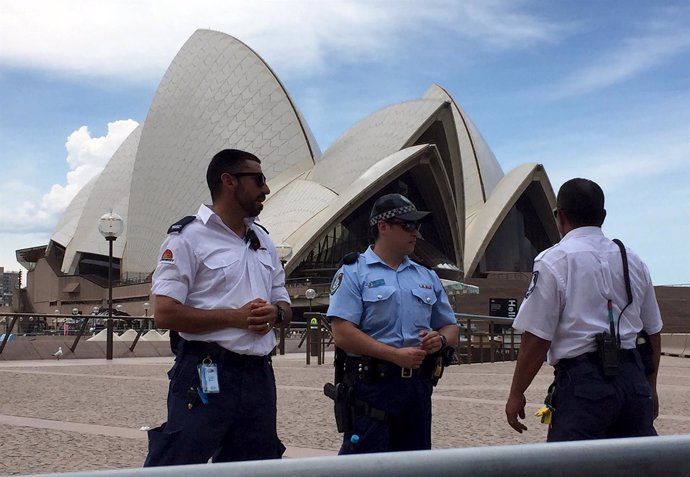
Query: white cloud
column 86, row 157
column 662, row 39
column 131, row 40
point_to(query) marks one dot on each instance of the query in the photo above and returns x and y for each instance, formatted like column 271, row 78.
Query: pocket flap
column 377, row 294
column 220, row 260
column 428, row 297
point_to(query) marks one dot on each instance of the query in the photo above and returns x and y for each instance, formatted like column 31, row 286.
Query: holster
column 644, row 346
column 342, row 395
column 344, row 408
column 346, row 405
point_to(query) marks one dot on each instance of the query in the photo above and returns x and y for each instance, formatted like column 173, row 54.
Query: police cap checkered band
column 395, row 206
column 392, row 213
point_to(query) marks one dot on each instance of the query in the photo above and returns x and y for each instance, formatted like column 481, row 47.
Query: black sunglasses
column 259, row 177
column 406, row 226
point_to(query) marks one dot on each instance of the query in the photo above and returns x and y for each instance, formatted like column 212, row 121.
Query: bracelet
column 444, row 341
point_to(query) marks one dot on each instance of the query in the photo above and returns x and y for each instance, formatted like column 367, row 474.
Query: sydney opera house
column 487, row 226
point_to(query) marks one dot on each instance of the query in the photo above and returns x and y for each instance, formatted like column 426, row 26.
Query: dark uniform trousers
column 589, row 405
column 239, row 423
column 407, row 404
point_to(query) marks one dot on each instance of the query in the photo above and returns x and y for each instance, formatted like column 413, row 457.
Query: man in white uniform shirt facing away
column 589, row 299
column 220, row 286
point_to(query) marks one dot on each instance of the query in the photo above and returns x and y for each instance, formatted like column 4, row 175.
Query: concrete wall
column 43, row 347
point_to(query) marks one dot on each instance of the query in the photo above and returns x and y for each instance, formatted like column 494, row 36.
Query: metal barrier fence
column 10, row 320
column 493, row 340
column 667, row 456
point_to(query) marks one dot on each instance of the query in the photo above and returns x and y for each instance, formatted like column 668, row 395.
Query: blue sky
column 590, row 89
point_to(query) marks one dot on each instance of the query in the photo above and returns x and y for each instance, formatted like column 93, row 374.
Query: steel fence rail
column 667, row 456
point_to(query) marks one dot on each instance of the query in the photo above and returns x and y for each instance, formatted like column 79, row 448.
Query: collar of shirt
column 371, row 257
column 206, row 214
column 587, row 231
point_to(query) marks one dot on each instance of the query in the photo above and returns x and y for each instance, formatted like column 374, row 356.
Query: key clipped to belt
column 208, row 375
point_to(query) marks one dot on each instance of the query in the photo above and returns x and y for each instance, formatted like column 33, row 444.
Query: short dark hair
column 582, row 200
column 227, row 160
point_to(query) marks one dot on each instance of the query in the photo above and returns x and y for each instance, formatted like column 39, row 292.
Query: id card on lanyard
column 208, row 375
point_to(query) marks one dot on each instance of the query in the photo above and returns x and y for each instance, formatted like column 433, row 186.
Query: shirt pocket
column 423, row 300
column 266, row 260
column 379, row 305
column 223, row 265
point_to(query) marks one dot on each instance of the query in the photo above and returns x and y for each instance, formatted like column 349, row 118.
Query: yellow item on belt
column 545, row 414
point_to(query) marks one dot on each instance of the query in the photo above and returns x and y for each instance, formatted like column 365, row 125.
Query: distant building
column 9, row 281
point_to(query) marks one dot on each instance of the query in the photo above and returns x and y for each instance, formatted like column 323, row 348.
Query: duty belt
column 625, row 356
column 368, row 367
column 217, row 353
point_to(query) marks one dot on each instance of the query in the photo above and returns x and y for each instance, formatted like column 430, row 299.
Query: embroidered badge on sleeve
column 532, row 284
column 336, row 283
column 168, row 256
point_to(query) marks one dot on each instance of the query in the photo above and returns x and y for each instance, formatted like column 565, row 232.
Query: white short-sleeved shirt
column 208, row 266
column 567, row 301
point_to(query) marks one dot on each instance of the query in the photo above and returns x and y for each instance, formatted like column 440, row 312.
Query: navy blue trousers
column 408, row 427
column 239, row 423
column 591, row 406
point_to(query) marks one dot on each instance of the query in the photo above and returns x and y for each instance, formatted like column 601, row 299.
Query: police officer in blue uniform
column 220, row 285
column 588, row 300
column 392, row 318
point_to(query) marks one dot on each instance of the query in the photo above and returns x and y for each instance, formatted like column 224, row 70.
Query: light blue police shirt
column 391, row 306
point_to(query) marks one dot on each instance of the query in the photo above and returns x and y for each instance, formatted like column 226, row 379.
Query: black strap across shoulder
column 626, row 271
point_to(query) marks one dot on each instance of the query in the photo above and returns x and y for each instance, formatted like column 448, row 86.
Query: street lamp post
column 310, row 294
column 146, row 306
column 110, row 226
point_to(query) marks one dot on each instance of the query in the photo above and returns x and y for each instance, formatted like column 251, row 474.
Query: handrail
column 82, row 327
column 666, row 456
column 468, row 333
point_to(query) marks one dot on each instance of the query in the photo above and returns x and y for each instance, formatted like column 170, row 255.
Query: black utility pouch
column 644, row 347
column 607, row 349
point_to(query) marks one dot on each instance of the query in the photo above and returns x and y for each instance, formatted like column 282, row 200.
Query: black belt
column 368, row 367
column 625, row 356
column 204, row 349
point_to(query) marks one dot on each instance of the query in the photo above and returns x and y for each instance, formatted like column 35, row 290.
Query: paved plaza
column 78, row 414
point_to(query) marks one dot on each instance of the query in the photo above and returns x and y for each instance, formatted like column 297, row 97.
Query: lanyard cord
column 628, row 290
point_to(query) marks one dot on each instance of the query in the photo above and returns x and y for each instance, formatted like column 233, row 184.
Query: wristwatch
column 280, row 315
column 444, row 341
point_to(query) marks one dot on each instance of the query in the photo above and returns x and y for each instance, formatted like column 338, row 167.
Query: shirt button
column 379, row 296
column 428, row 299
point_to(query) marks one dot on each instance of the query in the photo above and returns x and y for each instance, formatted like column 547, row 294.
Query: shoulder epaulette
column 262, row 227
column 180, row 224
column 350, row 258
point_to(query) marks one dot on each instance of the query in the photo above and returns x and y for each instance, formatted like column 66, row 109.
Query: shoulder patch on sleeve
column 167, row 256
column 532, row 284
column 180, row 224
column 337, row 280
